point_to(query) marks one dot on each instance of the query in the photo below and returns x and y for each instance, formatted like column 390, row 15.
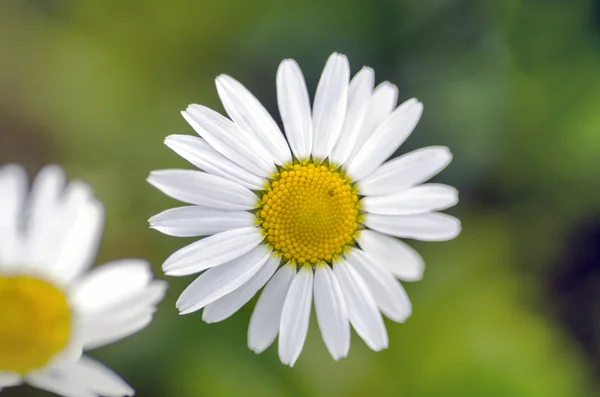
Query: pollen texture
column 309, row 212
column 36, row 323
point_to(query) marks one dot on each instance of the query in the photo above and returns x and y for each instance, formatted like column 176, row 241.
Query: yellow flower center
column 309, row 212
column 36, row 323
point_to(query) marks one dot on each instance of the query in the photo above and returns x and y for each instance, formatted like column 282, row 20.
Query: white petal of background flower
column 80, row 235
column 42, row 205
column 359, row 93
column 200, row 188
column 219, row 281
column 63, row 228
column 294, row 106
column 381, row 104
column 199, row 153
column 329, row 109
column 295, row 316
column 266, row 317
column 102, row 333
column 8, row 379
column 13, row 180
column 226, row 306
column 386, row 139
column 332, row 314
column 192, row 221
column 116, row 300
column 229, row 139
column 111, row 283
column 247, row 112
column 362, row 309
column 426, row 227
column 122, row 319
column 58, row 383
column 44, row 195
column 94, row 377
column 212, row 251
column 403, row 261
column 406, row 171
column 389, row 295
column 417, row 200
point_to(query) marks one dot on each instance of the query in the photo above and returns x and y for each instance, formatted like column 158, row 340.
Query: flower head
column 310, row 215
column 52, row 306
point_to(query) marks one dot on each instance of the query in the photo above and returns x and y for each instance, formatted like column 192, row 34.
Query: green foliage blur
column 511, row 86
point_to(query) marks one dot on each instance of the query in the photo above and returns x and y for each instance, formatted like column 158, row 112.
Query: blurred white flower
column 52, row 307
column 309, row 214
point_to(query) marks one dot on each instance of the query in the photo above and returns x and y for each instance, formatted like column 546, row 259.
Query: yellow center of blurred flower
column 309, row 212
column 35, row 323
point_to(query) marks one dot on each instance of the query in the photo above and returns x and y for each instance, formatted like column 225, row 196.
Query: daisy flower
column 52, row 306
column 314, row 214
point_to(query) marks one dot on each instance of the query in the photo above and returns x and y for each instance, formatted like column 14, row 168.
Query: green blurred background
column 510, row 308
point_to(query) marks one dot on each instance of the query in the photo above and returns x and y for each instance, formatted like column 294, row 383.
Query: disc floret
column 309, row 212
column 36, row 323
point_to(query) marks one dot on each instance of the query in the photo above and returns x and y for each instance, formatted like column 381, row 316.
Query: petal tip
column 256, row 348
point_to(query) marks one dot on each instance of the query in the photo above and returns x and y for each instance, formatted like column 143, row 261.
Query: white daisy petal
column 41, row 216
column 229, row 139
column 144, row 300
column 212, row 251
column 199, row 153
column 59, row 383
column 266, row 318
column 295, row 316
column 64, row 228
column 116, row 321
column 359, row 93
column 403, row 261
column 80, row 239
column 386, row 290
column 418, row 200
column 107, row 316
column 200, row 188
column 13, row 181
column 111, row 284
column 219, row 281
column 381, row 104
column 425, row 227
column 193, row 221
column 331, row 312
column 9, row 379
column 386, row 139
column 247, row 112
column 329, row 109
column 90, row 375
column 406, row 171
column 44, row 195
column 226, row 306
column 104, row 333
column 362, row 309
column 294, row 106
